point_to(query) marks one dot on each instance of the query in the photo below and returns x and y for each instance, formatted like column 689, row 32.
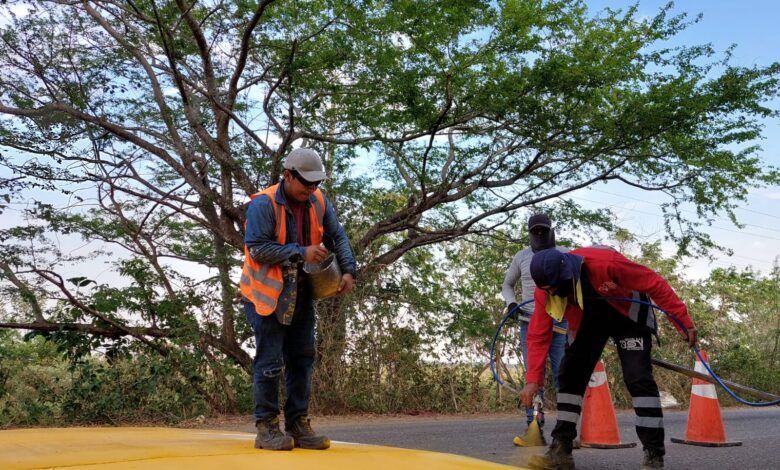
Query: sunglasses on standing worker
column 305, row 182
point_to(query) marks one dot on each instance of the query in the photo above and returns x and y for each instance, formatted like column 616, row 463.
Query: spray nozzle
column 537, row 404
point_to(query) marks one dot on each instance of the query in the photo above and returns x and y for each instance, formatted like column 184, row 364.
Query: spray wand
column 537, row 404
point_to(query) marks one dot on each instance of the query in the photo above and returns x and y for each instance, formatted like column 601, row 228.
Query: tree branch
column 25, row 292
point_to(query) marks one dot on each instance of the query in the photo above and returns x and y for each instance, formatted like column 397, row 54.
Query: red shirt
column 298, row 210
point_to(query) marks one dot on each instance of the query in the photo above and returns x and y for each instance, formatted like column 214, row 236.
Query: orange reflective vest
column 262, row 284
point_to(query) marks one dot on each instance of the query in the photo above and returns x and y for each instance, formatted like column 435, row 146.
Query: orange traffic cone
column 599, row 423
column 705, row 425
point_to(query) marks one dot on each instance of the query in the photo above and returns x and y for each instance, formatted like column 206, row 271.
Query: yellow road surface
column 196, row 449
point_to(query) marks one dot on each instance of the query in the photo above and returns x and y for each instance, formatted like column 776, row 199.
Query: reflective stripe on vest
column 262, row 284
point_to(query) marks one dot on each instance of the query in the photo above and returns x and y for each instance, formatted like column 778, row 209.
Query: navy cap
column 539, row 220
column 549, row 268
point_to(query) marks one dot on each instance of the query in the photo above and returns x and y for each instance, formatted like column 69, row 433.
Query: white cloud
column 400, row 40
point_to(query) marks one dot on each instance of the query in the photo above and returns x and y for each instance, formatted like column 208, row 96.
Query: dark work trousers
column 601, row 321
column 280, row 346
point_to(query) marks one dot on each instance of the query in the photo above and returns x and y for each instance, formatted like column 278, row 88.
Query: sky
column 752, row 26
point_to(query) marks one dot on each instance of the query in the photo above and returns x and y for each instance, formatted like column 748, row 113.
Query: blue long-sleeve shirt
column 261, row 240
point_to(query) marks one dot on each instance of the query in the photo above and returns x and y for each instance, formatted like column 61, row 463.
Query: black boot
column 558, row 457
column 270, row 437
column 304, row 435
column 654, row 459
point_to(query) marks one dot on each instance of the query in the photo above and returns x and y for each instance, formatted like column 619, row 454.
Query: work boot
column 653, row 460
column 270, row 437
column 557, row 457
column 300, row 430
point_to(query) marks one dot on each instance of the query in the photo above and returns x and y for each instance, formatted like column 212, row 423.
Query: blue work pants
column 283, row 347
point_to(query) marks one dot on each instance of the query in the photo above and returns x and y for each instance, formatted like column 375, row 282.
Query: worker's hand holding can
column 346, row 284
column 315, row 253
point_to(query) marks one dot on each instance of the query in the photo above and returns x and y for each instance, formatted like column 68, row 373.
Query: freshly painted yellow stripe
column 164, row 448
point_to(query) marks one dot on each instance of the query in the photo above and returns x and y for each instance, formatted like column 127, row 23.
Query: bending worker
column 574, row 286
column 285, row 225
column 541, row 236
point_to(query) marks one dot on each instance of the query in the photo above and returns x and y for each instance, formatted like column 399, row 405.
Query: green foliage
column 40, row 386
column 438, row 120
column 33, row 378
column 130, row 390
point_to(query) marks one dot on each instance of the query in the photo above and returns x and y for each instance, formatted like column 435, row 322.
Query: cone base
column 596, row 445
column 706, row 444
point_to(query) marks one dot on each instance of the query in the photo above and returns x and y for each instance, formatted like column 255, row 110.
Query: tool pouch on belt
column 285, row 307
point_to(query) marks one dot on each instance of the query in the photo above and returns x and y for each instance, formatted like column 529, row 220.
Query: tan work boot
column 270, row 437
column 300, row 430
column 557, row 457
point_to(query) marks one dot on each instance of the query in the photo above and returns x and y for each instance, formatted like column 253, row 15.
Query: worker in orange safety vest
column 287, row 225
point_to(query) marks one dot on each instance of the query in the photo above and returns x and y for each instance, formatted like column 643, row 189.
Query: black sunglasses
column 305, row 182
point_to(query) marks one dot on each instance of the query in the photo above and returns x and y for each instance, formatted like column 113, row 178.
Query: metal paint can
column 324, row 277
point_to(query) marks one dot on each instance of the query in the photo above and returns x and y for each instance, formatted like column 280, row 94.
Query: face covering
column 542, row 241
column 564, row 289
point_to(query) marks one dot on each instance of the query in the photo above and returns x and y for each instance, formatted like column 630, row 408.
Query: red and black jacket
column 611, row 275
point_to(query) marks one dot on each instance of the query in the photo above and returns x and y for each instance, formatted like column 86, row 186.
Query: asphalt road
column 490, row 438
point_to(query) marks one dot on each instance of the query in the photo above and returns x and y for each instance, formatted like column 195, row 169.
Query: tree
column 153, row 120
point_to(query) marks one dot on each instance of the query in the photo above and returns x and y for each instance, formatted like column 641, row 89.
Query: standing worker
column 541, row 236
column 285, row 225
column 580, row 286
